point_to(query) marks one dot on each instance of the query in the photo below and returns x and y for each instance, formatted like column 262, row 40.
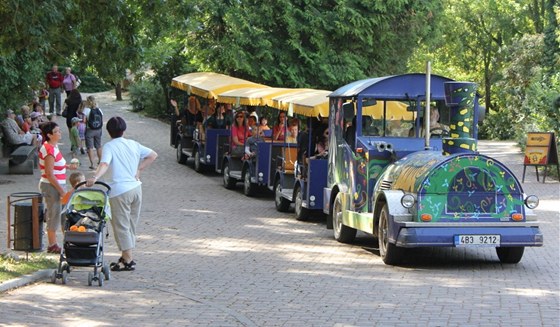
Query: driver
column 437, row 129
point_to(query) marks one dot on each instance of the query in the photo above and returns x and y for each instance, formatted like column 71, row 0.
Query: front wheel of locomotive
column 389, row 252
column 510, row 254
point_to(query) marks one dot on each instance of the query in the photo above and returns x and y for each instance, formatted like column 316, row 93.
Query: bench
column 22, row 158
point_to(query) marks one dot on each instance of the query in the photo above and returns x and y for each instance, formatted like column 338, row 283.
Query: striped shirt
column 59, row 163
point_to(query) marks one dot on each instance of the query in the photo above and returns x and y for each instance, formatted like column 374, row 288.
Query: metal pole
column 427, row 107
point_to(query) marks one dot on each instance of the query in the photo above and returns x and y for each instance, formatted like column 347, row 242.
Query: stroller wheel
column 53, row 276
column 64, row 277
column 65, row 266
column 100, row 278
column 106, row 271
column 90, row 278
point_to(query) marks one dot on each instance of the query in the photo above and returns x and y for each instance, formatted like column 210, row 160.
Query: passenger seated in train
column 322, row 146
column 368, row 129
column 218, row 119
column 239, row 133
column 279, row 127
column 190, row 117
column 251, row 147
column 293, row 129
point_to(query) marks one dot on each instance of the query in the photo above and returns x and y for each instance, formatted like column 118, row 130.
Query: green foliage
column 309, row 43
column 526, row 94
column 147, row 96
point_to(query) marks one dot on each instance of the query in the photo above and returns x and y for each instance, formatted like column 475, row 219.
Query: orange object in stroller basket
column 86, row 215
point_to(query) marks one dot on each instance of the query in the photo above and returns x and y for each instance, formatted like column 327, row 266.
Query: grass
column 11, row 268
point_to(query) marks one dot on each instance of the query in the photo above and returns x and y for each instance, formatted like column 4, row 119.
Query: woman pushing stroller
column 123, row 160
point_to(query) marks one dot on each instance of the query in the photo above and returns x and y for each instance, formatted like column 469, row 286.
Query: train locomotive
column 421, row 189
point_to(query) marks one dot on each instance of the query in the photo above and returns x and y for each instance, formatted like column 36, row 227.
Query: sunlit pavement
column 208, row 256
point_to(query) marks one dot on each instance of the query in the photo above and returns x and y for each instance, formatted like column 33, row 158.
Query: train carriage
column 206, row 146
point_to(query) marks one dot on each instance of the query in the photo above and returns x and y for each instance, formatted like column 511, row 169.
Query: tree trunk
column 118, row 91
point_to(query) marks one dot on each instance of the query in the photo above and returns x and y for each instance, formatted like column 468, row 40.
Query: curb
column 25, row 280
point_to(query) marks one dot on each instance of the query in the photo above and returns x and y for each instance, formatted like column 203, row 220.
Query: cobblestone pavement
column 208, row 256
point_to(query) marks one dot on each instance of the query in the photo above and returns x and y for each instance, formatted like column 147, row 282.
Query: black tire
column 197, row 164
column 282, row 204
column 510, row 254
column 342, row 233
column 64, row 277
column 53, row 276
column 389, row 252
column 181, row 157
column 228, row 182
column 90, row 278
column 302, row 214
column 100, row 278
column 249, row 188
column 106, row 271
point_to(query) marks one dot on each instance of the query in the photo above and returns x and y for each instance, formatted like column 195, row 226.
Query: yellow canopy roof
column 251, row 96
column 306, row 102
column 210, row 85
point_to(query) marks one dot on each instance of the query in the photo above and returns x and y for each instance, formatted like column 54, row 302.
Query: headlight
column 408, row 201
column 532, row 201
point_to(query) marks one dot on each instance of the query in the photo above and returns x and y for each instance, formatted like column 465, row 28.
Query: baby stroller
column 86, row 215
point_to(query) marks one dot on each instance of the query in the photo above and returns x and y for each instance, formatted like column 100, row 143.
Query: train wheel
column 197, row 163
column 181, row 157
column 249, row 188
column 229, row 182
column 389, row 252
column 301, row 213
column 342, row 233
column 282, row 204
column 510, row 254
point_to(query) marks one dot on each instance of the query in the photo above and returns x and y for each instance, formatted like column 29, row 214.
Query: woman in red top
column 278, row 130
column 239, row 133
column 53, row 180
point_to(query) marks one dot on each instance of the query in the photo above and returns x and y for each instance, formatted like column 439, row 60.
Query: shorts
column 53, row 206
column 93, row 138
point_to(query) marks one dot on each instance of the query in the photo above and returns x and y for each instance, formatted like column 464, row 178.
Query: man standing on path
column 54, row 82
column 123, row 159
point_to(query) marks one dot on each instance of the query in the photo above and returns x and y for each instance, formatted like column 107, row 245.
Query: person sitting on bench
column 13, row 134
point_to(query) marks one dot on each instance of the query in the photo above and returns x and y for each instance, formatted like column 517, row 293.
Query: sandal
column 122, row 266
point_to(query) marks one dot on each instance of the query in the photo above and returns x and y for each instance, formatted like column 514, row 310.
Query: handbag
column 64, row 112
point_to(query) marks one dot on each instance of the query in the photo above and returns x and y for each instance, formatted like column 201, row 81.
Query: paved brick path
column 208, row 256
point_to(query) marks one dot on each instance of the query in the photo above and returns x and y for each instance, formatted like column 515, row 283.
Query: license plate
column 477, row 240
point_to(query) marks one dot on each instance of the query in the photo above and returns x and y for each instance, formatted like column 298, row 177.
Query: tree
column 27, row 43
column 307, row 43
column 551, row 60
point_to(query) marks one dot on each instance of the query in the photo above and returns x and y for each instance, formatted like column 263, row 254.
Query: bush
column 147, row 95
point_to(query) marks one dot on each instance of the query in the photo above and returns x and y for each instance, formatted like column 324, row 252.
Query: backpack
column 95, row 119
